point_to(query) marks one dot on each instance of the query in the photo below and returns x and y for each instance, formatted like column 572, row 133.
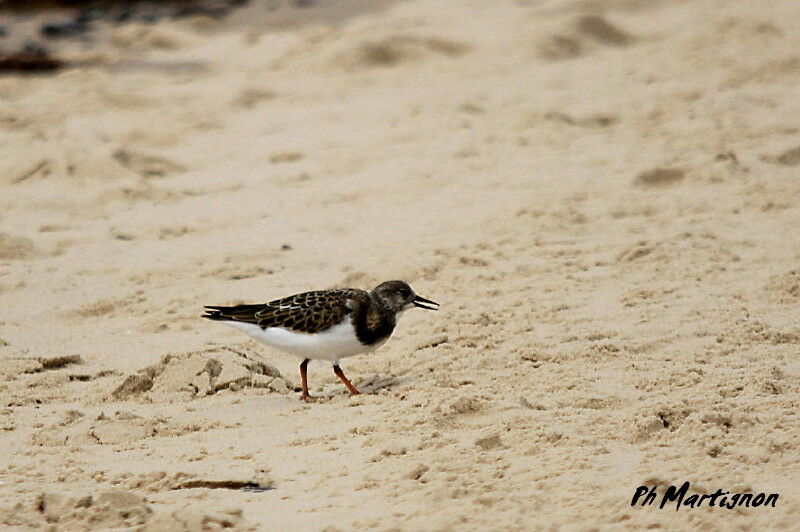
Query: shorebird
column 325, row 324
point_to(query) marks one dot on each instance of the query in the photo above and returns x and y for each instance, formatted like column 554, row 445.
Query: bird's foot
column 308, row 398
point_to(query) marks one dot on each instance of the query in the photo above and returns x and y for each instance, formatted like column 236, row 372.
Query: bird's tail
column 216, row 314
column 245, row 313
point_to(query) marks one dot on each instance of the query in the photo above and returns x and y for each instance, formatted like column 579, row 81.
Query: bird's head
column 398, row 296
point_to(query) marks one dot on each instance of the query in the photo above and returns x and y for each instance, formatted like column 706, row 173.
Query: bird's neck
column 373, row 321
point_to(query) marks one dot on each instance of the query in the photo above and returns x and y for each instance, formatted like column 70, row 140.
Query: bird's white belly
column 337, row 342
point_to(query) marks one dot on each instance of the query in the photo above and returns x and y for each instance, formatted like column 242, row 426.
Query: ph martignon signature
column 723, row 499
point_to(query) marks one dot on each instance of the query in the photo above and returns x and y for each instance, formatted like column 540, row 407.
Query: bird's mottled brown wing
column 309, row 312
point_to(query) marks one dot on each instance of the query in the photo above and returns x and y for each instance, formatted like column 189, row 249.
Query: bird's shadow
column 376, row 383
column 369, row 386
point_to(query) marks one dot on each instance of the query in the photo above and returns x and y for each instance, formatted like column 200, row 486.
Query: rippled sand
column 602, row 195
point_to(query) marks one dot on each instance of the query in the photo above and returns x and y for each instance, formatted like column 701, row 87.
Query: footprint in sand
column 587, row 29
column 659, row 177
column 147, row 165
column 16, row 247
column 393, row 50
column 602, row 31
column 790, row 157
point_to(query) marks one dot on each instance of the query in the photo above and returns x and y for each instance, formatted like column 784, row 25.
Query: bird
column 325, row 324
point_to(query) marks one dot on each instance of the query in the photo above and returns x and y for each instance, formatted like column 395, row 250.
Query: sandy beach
column 603, row 196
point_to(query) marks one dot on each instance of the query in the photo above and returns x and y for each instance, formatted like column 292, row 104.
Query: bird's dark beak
column 427, row 304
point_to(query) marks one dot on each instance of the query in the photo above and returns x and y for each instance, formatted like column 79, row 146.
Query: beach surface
column 603, row 196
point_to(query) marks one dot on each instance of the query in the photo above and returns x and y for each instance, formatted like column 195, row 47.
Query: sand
column 602, row 195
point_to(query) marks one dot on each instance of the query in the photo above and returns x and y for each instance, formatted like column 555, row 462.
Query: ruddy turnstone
column 325, row 324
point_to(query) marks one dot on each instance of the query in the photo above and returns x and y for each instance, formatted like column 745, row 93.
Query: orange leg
column 304, row 381
column 339, row 373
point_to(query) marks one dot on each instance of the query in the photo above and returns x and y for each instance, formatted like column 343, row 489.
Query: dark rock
column 216, row 12
column 150, row 12
column 31, row 58
column 91, row 14
column 68, row 29
column 125, row 15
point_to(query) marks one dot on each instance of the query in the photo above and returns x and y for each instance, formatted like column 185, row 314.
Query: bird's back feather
column 309, row 312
